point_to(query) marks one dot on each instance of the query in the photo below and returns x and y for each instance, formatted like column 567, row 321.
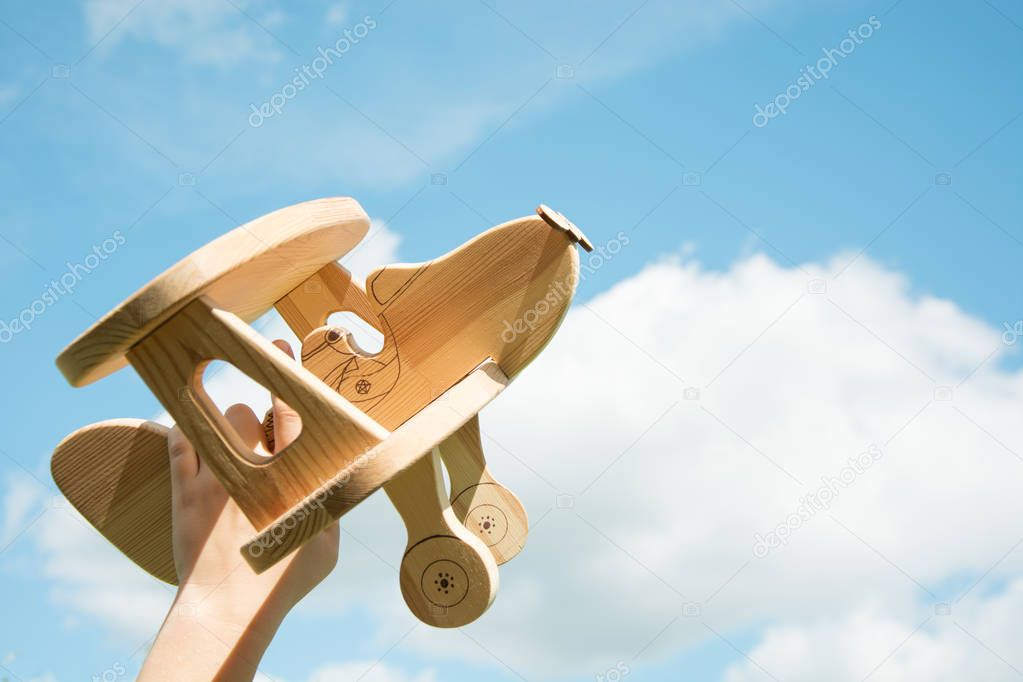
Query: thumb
column 285, row 421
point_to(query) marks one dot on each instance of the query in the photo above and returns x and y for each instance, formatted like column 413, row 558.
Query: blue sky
column 894, row 182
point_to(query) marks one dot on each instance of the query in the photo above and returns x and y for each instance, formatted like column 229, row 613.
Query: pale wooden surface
column 521, row 261
column 558, row 220
column 439, row 319
column 245, row 271
column 487, row 508
column 406, row 444
column 435, row 537
column 171, row 359
column 329, row 290
column 447, row 576
column 442, row 318
column 115, row 474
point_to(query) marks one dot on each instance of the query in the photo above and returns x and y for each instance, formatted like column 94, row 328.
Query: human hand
column 218, row 591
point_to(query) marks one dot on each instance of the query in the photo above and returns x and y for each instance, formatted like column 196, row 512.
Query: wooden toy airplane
column 456, row 330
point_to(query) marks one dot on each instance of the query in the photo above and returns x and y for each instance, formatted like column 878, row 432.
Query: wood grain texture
column 245, row 271
column 447, row 576
column 116, row 474
column 526, row 266
column 502, row 295
column 465, row 582
column 558, row 221
column 334, row 433
column 487, row 509
column 329, row 290
column 408, row 443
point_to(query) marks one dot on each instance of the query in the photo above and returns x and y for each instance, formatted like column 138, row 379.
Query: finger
column 268, row 430
column 246, row 425
column 286, row 422
column 243, row 421
column 184, row 462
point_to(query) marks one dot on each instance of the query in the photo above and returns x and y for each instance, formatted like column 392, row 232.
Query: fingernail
column 284, row 346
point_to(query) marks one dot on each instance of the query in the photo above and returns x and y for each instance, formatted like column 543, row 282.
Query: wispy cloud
column 355, row 129
column 368, row 671
column 337, row 13
column 971, row 640
column 221, row 34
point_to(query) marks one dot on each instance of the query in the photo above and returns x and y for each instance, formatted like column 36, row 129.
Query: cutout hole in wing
column 225, row 385
column 365, row 335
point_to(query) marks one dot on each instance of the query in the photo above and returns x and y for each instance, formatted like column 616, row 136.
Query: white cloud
column 508, row 82
column 21, row 500
column 95, row 582
column 678, row 511
column 87, row 576
column 379, row 247
column 337, row 13
column 978, row 641
column 206, row 33
column 668, row 492
column 8, row 93
column 459, row 102
column 377, row 150
column 367, row 671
